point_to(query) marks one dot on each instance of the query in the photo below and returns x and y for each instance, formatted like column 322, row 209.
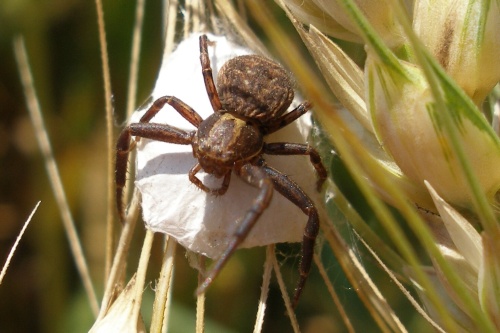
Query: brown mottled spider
column 253, row 93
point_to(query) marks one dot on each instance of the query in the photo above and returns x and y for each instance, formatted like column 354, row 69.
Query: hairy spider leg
column 153, row 131
column 287, row 118
column 255, row 176
column 195, row 180
column 290, row 190
column 184, row 110
column 286, row 148
column 208, row 78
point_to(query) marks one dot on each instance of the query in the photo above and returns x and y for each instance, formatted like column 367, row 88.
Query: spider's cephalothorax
column 223, row 140
column 253, row 93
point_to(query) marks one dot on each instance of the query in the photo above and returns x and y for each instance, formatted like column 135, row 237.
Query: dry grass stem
column 110, row 144
column 159, row 319
column 117, row 272
column 168, row 304
column 401, row 287
column 18, row 239
column 197, row 9
column 170, row 16
column 136, row 56
column 264, row 291
column 53, row 172
column 284, row 293
column 240, row 5
column 141, row 272
column 200, row 313
column 216, row 29
column 378, row 302
column 236, row 22
column 333, row 294
column 132, row 91
column 361, row 281
column 200, row 298
column 187, row 18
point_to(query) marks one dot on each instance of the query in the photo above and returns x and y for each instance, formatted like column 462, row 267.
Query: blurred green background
column 42, row 291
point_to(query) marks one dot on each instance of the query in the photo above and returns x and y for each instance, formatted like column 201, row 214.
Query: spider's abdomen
column 254, row 87
column 224, row 140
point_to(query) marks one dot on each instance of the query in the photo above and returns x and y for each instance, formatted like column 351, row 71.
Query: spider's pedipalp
column 218, row 191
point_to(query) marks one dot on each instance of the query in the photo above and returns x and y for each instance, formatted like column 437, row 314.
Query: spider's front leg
column 255, row 176
column 159, row 132
column 290, row 190
column 153, row 131
column 184, row 110
column 208, row 78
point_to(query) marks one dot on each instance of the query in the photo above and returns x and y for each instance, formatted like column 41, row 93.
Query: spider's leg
column 290, row 190
column 255, row 176
column 158, row 132
column 195, row 180
column 213, row 96
column 287, row 118
column 284, row 148
column 184, row 110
